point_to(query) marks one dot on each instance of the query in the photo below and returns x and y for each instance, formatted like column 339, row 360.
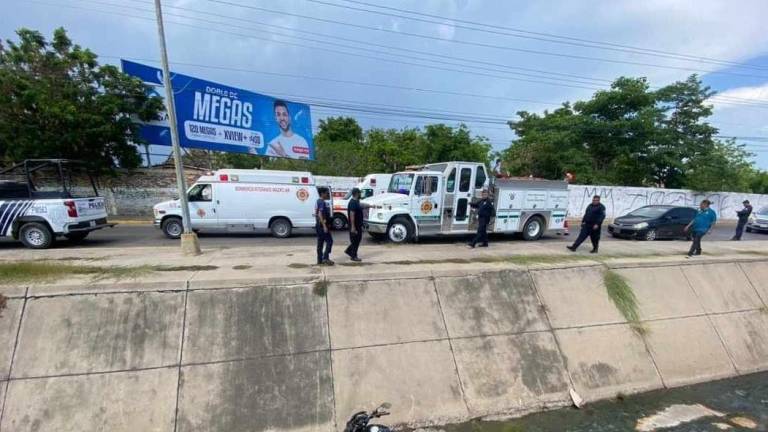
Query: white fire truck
column 435, row 200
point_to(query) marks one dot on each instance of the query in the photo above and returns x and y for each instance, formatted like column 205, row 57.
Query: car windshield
column 401, row 183
column 649, row 212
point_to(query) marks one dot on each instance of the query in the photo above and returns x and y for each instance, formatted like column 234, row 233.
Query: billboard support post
column 189, row 241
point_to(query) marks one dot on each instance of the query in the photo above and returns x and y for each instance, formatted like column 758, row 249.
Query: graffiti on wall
column 619, row 200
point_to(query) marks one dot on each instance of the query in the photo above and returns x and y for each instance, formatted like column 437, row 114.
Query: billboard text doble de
column 217, row 117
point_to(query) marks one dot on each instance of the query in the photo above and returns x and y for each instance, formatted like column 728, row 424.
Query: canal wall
column 440, row 346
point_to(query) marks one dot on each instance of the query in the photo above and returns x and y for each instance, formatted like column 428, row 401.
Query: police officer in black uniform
column 355, row 214
column 743, row 216
column 323, row 229
column 591, row 225
column 485, row 211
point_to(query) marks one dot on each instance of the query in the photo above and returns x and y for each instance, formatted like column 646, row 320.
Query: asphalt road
column 147, row 235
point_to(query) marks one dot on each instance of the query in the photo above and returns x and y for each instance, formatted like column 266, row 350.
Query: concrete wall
column 133, row 195
column 442, row 347
column 619, row 200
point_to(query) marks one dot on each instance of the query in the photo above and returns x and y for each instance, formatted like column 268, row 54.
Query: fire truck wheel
column 400, row 231
column 533, row 229
column 35, row 235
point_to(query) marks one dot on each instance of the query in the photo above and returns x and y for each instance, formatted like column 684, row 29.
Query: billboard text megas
column 217, row 117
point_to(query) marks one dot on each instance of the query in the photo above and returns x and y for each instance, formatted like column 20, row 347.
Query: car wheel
column 400, row 231
column 76, row 237
column 650, row 235
column 35, row 235
column 749, row 230
column 339, row 222
column 533, row 228
column 281, row 228
column 172, row 227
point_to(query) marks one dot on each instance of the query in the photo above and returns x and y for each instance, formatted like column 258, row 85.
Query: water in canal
column 738, row 404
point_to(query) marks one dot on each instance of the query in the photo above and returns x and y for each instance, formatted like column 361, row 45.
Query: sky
column 480, row 61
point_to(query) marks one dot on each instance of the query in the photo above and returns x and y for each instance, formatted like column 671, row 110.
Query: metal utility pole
column 189, row 242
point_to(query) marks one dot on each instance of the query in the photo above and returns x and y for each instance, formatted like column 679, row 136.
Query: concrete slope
column 441, row 347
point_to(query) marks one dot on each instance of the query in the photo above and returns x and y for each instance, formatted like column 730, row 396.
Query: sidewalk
column 165, row 268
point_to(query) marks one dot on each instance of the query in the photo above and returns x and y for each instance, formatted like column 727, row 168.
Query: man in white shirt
column 288, row 144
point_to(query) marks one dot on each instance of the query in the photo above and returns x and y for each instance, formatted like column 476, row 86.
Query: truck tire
column 172, row 227
column 339, row 222
column 77, row 237
column 401, row 230
column 35, row 235
column 534, row 228
column 281, row 228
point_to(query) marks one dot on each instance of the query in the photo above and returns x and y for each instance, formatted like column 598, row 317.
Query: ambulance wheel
column 35, row 235
column 281, row 228
column 76, row 237
column 172, row 227
column 533, row 229
column 400, row 231
column 339, row 222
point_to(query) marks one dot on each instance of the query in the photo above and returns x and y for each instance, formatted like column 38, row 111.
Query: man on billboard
column 288, row 144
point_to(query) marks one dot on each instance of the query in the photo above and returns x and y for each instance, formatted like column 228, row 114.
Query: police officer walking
column 591, row 225
column 485, row 211
column 323, row 229
column 355, row 215
column 743, row 215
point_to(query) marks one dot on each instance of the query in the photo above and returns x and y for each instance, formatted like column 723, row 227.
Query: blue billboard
column 213, row 116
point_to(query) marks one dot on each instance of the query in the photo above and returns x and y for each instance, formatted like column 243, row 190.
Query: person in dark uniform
column 355, row 215
column 743, row 215
column 485, row 211
column 591, row 225
column 323, row 229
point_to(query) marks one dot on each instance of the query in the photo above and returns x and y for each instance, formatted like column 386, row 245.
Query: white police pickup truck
column 43, row 199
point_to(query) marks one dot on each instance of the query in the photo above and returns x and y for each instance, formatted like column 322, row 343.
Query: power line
column 474, row 62
column 722, row 100
column 546, row 37
column 354, row 54
column 480, row 44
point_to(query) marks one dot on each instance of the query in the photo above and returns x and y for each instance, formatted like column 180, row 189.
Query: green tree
column 56, row 101
column 634, row 136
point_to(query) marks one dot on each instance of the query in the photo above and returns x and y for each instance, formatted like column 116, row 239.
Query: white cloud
column 756, row 94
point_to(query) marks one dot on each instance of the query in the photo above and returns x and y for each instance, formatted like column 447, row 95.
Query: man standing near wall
column 591, row 225
column 700, row 226
column 743, row 215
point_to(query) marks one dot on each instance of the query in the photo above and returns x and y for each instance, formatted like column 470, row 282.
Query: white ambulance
column 372, row 185
column 436, row 201
column 245, row 201
column 43, row 199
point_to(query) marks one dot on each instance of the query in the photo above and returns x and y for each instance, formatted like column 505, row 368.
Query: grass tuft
column 320, row 288
column 43, row 271
column 624, row 298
